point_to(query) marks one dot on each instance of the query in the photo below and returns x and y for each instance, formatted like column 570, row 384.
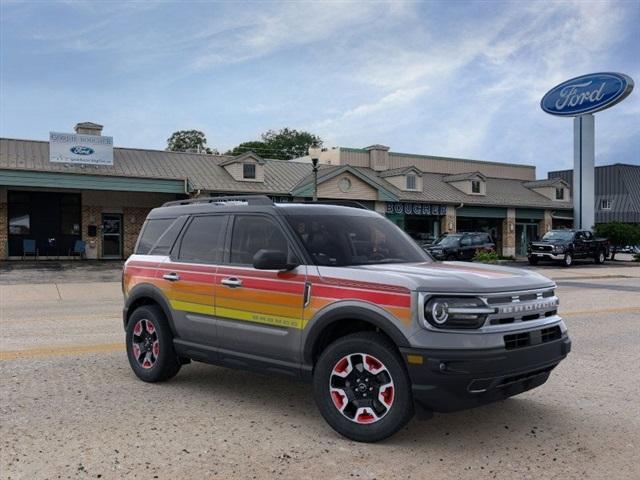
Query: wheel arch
column 343, row 320
column 147, row 294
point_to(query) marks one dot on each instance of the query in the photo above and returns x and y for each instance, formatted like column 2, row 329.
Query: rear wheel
column 362, row 388
column 567, row 261
column 150, row 345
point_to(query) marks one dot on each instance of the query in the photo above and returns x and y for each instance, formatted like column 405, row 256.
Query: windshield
column 558, row 235
column 346, row 240
column 447, row 241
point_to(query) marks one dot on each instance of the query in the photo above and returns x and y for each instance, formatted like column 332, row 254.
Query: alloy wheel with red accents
column 149, row 341
column 361, row 388
column 145, row 344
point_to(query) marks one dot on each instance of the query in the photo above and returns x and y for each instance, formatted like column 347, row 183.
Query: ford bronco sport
column 338, row 296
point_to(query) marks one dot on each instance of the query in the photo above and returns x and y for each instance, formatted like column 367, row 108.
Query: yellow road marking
column 57, row 351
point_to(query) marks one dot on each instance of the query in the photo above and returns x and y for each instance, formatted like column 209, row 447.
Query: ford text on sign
column 85, row 149
column 587, row 94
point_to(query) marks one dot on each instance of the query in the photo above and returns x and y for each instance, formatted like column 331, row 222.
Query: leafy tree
column 619, row 234
column 257, row 147
column 188, row 141
column 284, row 144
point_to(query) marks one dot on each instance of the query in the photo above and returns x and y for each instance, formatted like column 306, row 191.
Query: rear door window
column 203, row 240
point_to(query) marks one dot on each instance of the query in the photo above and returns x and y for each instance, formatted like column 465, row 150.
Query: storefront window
column 19, row 217
column 19, row 221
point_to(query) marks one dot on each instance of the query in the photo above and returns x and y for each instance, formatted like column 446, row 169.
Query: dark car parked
column 461, row 246
column 566, row 245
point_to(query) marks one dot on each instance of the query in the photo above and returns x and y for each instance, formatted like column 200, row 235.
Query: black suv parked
column 461, row 246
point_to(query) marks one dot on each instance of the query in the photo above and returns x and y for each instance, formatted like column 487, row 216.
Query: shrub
column 619, row 234
column 485, row 257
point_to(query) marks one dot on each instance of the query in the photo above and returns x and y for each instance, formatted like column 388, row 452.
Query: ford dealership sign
column 80, row 149
column 587, row 94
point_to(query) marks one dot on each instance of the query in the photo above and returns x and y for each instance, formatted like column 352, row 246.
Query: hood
column 457, row 277
column 549, row 242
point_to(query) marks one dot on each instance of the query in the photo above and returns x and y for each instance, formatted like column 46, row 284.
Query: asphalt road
column 71, row 408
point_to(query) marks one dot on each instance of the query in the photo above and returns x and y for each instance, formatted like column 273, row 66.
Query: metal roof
column 463, row 176
column 206, row 173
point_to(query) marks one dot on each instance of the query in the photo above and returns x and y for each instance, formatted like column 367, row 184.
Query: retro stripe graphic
column 266, row 297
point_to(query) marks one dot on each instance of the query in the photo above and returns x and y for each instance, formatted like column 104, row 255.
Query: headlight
column 456, row 312
column 559, row 248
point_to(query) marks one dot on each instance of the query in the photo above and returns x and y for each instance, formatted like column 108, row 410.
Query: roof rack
column 234, row 200
column 340, row 203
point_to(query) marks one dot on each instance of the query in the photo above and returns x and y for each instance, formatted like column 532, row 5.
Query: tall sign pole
column 580, row 97
column 583, row 171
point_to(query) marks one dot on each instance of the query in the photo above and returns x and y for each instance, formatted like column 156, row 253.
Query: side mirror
column 272, row 260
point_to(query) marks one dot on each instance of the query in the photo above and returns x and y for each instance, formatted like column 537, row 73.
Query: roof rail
column 236, row 199
column 340, row 203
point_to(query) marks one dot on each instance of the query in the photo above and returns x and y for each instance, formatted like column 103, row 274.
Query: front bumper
column 451, row 380
column 547, row 255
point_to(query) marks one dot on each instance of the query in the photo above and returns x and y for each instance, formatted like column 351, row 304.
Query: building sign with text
column 80, row 149
column 416, row 208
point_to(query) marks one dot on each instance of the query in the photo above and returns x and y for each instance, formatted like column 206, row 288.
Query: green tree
column 283, row 144
column 188, row 141
column 619, row 234
column 257, row 147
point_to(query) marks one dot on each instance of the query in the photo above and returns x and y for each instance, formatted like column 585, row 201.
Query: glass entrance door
column 525, row 233
column 111, row 235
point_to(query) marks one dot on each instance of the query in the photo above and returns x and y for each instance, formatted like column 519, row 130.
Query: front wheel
column 567, row 261
column 150, row 345
column 600, row 257
column 362, row 388
column 533, row 260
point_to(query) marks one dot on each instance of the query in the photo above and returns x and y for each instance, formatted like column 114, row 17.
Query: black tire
column 600, row 257
column 567, row 261
column 533, row 260
column 152, row 365
column 400, row 409
column 451, row 258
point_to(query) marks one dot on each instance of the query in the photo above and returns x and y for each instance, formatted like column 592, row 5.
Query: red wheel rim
column 361, row 388
column 145, row 345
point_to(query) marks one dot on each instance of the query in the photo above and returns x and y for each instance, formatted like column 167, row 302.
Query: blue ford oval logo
column 79, row 150
column 587, row 94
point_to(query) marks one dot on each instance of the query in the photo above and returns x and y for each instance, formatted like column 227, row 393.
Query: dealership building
column 78, row 188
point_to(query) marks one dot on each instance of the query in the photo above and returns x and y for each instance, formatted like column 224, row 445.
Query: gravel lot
column 71, row 408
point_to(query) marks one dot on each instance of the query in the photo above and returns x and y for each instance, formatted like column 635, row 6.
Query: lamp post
column 314, row 153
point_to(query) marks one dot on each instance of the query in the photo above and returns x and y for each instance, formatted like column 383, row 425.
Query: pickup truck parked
column 567, row 245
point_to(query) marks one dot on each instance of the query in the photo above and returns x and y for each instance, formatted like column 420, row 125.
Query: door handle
column 172, row 277
column 232, row 282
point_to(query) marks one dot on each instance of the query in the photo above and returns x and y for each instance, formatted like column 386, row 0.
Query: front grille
column 542, row 248
column 525, row 376
column 526, row 339
column 522, row 306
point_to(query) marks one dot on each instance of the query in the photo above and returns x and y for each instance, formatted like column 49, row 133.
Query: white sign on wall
column 77, row 149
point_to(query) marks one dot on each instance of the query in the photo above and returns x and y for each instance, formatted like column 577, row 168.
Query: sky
column 446, row 78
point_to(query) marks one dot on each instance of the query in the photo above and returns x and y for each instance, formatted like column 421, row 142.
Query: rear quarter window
column 151, row 232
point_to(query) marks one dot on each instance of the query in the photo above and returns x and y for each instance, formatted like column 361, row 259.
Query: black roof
column 256, row 204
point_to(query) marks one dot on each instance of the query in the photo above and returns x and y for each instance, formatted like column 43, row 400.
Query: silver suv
column 340, row 297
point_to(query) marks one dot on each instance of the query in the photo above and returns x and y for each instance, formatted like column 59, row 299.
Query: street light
column 314, row 153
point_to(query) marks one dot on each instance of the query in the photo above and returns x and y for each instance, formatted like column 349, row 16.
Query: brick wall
column 448, row 222
column 509, row 234
column 92, row 215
